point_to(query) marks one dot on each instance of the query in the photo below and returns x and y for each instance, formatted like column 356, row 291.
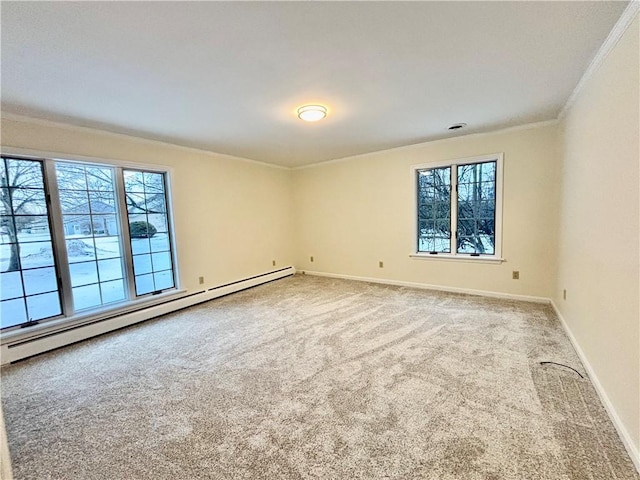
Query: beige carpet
column 309, row 377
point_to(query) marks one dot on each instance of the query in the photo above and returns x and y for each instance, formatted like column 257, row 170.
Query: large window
column 458, row 207
column 80, row 237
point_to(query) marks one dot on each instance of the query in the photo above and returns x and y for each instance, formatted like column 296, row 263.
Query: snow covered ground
column 96, row 269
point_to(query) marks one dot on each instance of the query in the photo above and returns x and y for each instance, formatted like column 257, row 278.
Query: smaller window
column 458, row 207
column 146, row 197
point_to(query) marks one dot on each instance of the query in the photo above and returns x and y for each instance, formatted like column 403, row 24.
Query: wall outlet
column 312, row 259
column 274, row 263
column 200, row 280
column 515, row 275
column 564, row 294
column 381, row 264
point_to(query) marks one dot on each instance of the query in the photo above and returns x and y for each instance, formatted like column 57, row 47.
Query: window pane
column 102, row 202
column 163, row 279
column 40, row 280
column 83, row 273
column 10, row 285
column 36, row 254
column 160, row 242
column 12, row 312
column 99, row 178
column 153, row 182
column 159, row 222
column 28, row 201
column 476, row 208
column 107, row 247
column 5, row 201
column 144, row 284
column 104, row 225
column 161, row 261
column 113, row 291
column 136, row 203
column 9, row 257
column 32, row 228
column 155, row 203
column 80, row 250
column 43, row 306
column 24, row 173
column 140, row 245
column 142, row 264
column 86, row 297
column 434, row 210
column 75, row 201
column 110, row 269
column 133, row 181
column 71, row 176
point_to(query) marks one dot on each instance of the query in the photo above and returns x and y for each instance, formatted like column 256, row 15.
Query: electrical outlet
column 564, row 294
column 274, row 263
column 381, row 264
column 515, row 275
column 312, row 259
column 200, row 280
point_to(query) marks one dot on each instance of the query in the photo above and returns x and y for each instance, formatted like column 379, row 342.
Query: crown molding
column 628, row 16
column 69, row 126
column 469, row 136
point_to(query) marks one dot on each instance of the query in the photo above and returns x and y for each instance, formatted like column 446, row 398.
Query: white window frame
column 133, row 303
column 454, row 256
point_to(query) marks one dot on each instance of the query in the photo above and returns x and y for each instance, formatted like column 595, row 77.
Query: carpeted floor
column 319, row 378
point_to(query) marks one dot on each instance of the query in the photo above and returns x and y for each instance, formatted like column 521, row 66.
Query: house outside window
column 80, row 238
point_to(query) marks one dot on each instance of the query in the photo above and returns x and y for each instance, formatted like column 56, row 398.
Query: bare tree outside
column 475, row 199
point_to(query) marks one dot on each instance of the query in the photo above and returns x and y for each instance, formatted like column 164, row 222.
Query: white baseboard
column 426, row 286
column 24, row 348
column 632, row 450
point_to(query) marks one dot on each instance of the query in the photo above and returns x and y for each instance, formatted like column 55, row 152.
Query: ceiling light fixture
column 457, row 126
column 312, row 113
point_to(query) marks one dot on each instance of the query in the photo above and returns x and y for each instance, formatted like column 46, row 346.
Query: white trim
column 633, row 451
column 454, row 164
column 7, row 150
column 68, row 126
column 458, row 258
column 426, row 286
column 627, row 17
column 526, row 126
column 19, row 349
column 47, row 327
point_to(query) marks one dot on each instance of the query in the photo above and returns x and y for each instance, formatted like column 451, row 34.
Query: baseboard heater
column 50, row 340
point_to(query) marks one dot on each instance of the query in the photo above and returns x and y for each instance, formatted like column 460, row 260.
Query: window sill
column 457, row 258
column 84, row 318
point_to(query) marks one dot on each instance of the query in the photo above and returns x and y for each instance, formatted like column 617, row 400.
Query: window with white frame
column 78, row 237
column 458, row 208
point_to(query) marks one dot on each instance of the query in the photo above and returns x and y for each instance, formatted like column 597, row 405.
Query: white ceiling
column 228, row 76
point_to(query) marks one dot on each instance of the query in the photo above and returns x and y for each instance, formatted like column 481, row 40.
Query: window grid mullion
column 454, row 210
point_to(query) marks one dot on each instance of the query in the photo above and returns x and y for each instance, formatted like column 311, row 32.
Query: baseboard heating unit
column 18, row 345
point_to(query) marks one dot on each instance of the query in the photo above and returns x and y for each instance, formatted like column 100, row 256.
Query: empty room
column 320, row 240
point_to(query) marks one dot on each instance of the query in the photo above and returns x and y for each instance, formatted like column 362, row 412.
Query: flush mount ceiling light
column 457, row 126
column 312, row 113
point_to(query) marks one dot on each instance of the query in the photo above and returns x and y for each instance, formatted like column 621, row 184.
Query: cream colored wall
column 599, row 230
column 232, row 217
column 352, row 214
